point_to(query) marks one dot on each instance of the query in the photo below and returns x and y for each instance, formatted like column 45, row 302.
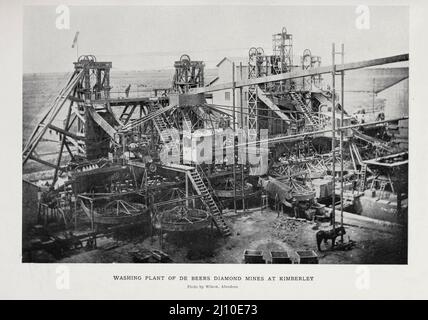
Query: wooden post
column 187, row 189
column 303, row 73
column 161, row 237
column 92, row 215
column 242, row 133
column 39, row 214
column 46, row 214
column 63, row 141
column 75, row 212
column 333, row 137
column 123, row 148
column 373, row 93
column 342, row 94
column 234, row 132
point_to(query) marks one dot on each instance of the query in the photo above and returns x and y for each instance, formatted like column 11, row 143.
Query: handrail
column 204, row 177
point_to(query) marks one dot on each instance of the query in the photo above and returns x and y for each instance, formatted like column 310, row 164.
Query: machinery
column 129, row 152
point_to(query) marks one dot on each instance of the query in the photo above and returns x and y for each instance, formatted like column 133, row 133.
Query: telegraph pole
column 333, row 137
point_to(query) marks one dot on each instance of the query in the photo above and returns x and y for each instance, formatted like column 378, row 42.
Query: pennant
column 75, row 39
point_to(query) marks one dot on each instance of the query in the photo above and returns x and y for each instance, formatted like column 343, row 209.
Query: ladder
column 201, row 189
column 169, row 121
column 383, row 184
column 164, row 131
column 186, row 130
column 187, row 123
column 357, row 154
column 161, row 126
column 303, row 108
column 363, row 173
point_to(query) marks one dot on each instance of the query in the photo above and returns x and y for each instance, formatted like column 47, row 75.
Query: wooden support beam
column 58, row 162
column 48, row 111
column 303, row 73
column 371, row 63
column 77, row 114
column 149, row 116
column 53, row 111
column 283, row 138
column 69, row 151
column 66, row 133
column 102, row 123
column 48, row 164
column 390, row 85
column 75, row 144
column 268, row 102
column 172, row 201
column 75, row 99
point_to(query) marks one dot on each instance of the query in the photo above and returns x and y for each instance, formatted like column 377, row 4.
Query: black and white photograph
column 215, row 134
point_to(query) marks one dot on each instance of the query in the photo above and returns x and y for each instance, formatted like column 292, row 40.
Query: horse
column 330, row 234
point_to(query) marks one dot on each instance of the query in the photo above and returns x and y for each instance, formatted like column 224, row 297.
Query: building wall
column 225, row 97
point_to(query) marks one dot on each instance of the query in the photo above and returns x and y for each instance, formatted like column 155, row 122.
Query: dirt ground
column 256, row 230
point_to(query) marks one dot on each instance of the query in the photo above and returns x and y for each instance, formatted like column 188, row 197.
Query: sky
column 150, row 37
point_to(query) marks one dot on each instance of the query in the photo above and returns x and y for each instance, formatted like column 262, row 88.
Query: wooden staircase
column 197, row 178
column 210, row 187
column 160, row 125
column 164, row 132
column 302, row 107
column 187, row 123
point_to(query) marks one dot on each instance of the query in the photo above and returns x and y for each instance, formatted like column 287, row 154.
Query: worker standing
column 363, row 114
column 128, row 88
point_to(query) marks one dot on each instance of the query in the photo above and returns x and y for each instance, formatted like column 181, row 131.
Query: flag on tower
column 75, row 39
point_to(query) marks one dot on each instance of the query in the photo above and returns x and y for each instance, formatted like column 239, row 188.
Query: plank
column 102, row 123
column 268, row 102
column 66, row 133
column 304, row 73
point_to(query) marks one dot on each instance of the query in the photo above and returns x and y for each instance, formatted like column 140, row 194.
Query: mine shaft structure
column 264, row 100
column 116, row 154
column 309, row 111
column 85, row 96
column 188, row 74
